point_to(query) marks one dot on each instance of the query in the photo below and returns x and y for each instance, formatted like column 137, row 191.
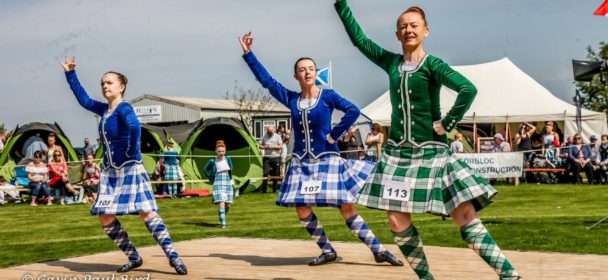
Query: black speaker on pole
column 585, row 70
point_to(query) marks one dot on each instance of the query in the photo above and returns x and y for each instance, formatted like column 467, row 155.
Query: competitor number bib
column 396, row 191
column 104, row 201
column 311, row 187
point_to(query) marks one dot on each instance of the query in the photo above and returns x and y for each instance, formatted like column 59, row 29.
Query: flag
column 602, row 10
column 578, row 102
column 324, row 77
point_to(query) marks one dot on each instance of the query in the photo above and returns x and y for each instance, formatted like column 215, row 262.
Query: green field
column 527, row 217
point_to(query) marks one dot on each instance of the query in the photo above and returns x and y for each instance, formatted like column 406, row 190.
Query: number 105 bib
column 394, row 190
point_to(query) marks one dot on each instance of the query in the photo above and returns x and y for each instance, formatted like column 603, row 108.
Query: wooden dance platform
column 243, row 258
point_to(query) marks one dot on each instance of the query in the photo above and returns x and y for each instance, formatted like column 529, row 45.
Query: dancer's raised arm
column 276, row 89
column 81, row 95
column 369, row 48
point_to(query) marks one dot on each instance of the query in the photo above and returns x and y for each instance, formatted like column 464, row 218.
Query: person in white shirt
column 502, row 146
column 272, row 144
column 457, row 147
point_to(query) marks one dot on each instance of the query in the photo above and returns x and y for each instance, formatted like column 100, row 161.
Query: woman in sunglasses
column 58, row 173
column 580, row 156
column 38, row 174
column 124, row 185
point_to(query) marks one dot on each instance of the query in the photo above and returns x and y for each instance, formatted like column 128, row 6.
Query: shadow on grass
column 203, row 224
column 95, row 267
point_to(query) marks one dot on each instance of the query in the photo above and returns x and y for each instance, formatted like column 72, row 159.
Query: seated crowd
column 48, row 174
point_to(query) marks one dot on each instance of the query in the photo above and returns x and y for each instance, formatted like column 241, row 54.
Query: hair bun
column 220, row 143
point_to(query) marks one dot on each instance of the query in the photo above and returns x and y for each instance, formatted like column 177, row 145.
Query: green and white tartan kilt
column 437, row 182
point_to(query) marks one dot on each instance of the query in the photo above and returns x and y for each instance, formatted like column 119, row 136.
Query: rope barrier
column 255, row 156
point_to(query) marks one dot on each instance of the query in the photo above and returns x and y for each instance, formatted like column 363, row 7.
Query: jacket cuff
column 449, row 123
column 249, row 57
column 340, row 5
column 336, row 135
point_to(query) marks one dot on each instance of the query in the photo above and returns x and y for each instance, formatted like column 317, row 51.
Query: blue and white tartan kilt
column 131, row 189
column 222, row 188
column 340, row 179
column 171, row 173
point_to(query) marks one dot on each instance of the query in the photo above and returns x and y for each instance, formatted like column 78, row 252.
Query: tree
column 595, row 94
column 2, row 128
column 249, row 103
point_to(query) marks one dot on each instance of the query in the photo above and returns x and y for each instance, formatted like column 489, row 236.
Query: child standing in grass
column 219, row 172
column 171, row 164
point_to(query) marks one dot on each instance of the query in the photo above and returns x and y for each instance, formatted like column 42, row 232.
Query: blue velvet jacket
column 210, row 170
column 312, row 125
column 119, row 131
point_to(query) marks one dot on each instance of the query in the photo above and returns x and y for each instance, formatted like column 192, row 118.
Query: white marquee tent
column 506, row 95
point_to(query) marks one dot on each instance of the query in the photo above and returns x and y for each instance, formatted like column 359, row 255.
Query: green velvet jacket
column 414, row 95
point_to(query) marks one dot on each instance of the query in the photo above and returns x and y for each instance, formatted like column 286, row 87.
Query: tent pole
column 474, row 134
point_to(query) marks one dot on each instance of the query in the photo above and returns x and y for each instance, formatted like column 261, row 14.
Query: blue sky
column 189, row 48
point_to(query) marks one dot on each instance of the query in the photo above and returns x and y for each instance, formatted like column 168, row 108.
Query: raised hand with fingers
column 69, row 65
column 246, row 42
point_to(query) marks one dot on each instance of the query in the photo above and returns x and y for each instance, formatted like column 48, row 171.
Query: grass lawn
column 527, row 217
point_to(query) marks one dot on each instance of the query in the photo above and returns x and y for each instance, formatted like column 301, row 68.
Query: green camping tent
column 241, row 146
column 12, row 150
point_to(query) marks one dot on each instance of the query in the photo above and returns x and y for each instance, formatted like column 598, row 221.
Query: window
column 257, row 129
column 283, row 123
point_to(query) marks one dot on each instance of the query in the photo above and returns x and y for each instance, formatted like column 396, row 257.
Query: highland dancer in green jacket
column 418, row 173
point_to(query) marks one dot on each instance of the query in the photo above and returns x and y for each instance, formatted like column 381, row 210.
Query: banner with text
column 495, row 165
column 149, row 113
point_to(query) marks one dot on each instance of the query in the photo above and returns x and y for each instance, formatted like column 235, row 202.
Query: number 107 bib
column 396, row 191
column 311, row 187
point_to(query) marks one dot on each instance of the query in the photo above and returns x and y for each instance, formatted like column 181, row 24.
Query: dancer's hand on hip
column 330, row 140
column 69, row 65
column 438, row 128
column 246, row 42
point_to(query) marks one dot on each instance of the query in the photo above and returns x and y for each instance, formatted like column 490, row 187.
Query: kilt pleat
column 340, row 179
column 439, row 182
column 171, row 173
column 130, row 188
column 222, row 188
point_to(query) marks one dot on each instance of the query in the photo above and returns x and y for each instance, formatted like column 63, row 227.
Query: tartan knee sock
column 222, row 213
column 410, row 244
column 158, row 229
column 118, row 234
column 479, row 239
column 315, row 229
column 360, row 229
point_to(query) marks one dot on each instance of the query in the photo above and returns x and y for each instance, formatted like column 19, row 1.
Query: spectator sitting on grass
column 9, row 190
column 580, row 156
column 59, row 181
column 38, row 174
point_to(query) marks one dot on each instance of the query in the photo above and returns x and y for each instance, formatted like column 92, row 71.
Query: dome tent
column 240, row 145
column 12, row 152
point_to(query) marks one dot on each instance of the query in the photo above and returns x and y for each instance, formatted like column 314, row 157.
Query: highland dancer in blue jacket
column 124, row 185
column 317, row 175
